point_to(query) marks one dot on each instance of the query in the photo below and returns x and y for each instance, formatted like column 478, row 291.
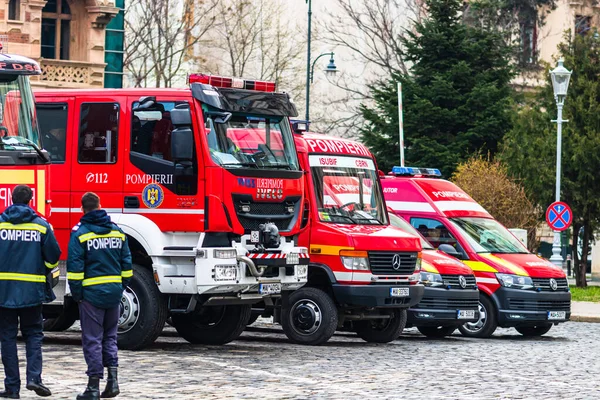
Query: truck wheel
column 213, row 324
column 382, row 330
column 253, row 318
column 143, row 311
column 310, row 316
column 63, row 322
column 487, row 323
column 532, row 331
column 436, row 331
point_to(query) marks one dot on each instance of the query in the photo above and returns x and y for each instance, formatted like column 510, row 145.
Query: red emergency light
column 224, row 82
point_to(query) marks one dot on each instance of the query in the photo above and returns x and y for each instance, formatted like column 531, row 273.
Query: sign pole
column 400, row 125
column 557, row 258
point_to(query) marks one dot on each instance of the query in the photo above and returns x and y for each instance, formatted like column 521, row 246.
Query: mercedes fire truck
column 211, row 224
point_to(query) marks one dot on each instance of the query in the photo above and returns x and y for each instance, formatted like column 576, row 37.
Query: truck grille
column 382, row 262
column 263, row 212
column 454, row 283
column 544, row 284
column 539, row 305
column 448, row 304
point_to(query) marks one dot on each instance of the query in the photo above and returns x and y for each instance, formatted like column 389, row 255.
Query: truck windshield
column 251, row 141
column 18, row 123
column 401, row 223
column 488, row 236
column 347, row 190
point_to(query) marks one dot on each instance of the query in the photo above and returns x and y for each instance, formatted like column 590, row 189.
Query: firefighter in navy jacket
column 99, row 269
column 28, row 254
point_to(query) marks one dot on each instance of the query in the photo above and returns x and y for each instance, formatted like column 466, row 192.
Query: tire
column 436, row 332
column 63, row 322
column 253, row 318
column 143, row 311
column 533, row 331
column 487, row 323
column 309, row 317
column 213, row 325
column 382, row 330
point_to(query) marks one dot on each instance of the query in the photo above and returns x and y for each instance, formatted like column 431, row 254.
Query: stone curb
column 585, row 318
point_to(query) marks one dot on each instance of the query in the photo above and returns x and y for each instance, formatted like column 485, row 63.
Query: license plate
column 466, row 314
column 269, row 288
column 557, row 315
column 399, row 292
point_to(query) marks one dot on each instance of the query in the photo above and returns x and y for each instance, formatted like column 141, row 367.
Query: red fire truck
column 210, row 224
column 364, row 273
column 451, row 297
column 516, row 288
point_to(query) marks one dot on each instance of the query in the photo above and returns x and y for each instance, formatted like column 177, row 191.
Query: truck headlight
column 355, row 260
column 302, row 271
column 431, row 279
column 224, row 254
column 515, row 281
column 225, row 272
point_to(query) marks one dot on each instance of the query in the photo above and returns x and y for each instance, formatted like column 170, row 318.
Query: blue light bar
column 416, row 171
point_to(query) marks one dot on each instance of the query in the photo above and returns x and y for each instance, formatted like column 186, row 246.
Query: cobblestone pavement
column 262, row 364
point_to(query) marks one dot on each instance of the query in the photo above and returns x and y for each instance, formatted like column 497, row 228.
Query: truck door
column 97, row 153
column 56, row 125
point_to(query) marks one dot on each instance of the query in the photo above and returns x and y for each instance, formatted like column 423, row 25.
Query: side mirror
column 181, row 117
column 451, row 251
column 182, row 144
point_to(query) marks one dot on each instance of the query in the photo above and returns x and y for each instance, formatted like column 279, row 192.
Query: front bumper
column 440, row 306
column 524, row 307
column 376, row 295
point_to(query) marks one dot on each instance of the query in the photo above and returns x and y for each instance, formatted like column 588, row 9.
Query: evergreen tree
column 456, row 98
column 529, row 148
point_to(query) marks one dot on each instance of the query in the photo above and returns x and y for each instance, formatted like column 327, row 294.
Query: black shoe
column 112, row 384
column 39, row 389
column 92, row 391
column 7, row 394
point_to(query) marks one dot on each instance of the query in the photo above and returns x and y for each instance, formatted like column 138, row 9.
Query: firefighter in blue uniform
column 29, row 252
column 98, row 270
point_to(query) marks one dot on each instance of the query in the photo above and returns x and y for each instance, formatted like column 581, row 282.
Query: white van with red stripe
column 517, row 288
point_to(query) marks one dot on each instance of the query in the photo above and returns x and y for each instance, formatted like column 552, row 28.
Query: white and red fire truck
column 211, row 225
column 364, row 273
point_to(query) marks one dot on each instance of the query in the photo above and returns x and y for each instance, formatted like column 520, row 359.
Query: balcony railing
column 70, row 74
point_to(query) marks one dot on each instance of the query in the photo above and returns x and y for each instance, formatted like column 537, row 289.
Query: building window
column 14, row 10
column 56, row 30
column 98, row 130
column 114, row 50
column 583, row 24
column 528, row 43
column 52, row 121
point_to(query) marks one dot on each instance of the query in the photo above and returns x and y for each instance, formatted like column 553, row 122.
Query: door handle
column 132, row 202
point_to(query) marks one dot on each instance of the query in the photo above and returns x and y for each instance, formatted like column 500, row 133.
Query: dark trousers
column 32, row 326
column 99, row 337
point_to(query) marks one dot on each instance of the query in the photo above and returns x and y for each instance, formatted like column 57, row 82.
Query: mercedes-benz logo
column 462, row 281
column 553, row 284
column 396, row 262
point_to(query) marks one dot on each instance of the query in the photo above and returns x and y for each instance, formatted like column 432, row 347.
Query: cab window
column 52, row 121
column 98, row 129
column 436, row 233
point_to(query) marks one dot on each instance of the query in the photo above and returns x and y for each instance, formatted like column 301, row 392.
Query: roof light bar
column 412, row 171
column 299, row 126
column 225, row 82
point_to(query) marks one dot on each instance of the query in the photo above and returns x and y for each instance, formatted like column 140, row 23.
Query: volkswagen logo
column 396, row 262
column 553, row 284
column 462, row 281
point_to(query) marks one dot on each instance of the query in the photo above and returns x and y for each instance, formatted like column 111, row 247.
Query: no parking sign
column 559, row 216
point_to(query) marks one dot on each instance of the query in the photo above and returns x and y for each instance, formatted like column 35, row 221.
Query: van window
column 435, row 232
column 52, row 121
column 98, row 133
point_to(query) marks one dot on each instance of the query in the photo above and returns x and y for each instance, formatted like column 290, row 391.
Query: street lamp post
column 560, row 83
column 310, row 68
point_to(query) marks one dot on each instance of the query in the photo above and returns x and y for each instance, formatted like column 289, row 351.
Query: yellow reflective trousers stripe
column 23, row 227
column 10, row 276
column 75, row 276
column 100, row 280
column 127, row 274
column 91, row 235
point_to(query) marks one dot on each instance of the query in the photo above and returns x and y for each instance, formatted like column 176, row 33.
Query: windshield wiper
column 279, row 166
column 27, row 144
column 241, row 164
